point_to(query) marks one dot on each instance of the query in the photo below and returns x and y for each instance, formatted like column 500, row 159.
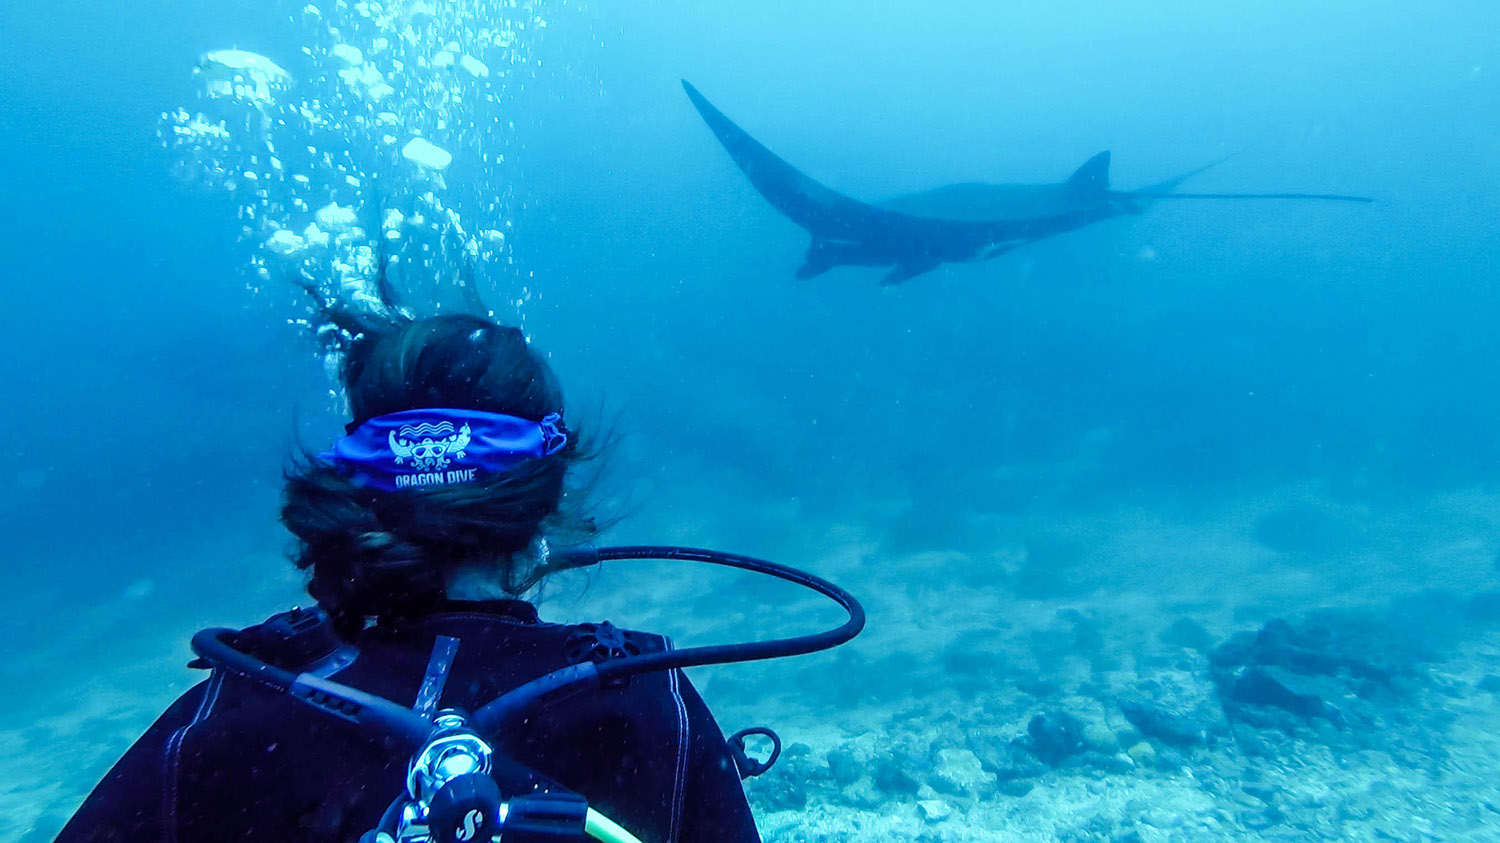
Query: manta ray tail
column 1168, row 189
column 1331, row 197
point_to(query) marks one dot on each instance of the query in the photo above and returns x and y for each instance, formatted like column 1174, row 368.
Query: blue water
column 1215, row 405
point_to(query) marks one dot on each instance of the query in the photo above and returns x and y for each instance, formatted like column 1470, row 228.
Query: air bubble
column 386, row 99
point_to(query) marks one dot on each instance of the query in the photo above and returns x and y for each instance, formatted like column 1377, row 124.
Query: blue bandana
column 438, row 447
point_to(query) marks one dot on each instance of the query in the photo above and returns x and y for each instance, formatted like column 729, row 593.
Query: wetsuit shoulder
column 127, row 804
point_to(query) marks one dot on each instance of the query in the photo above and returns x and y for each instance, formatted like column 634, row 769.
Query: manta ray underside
column 963, row 222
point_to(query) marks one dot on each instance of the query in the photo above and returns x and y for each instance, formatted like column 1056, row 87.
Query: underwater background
column 1178, row 527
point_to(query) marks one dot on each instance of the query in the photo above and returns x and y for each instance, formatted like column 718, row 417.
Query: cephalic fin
column 821, row 257
column 907, row 271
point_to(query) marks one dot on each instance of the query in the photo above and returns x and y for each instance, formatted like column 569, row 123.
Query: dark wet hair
column 383, row 555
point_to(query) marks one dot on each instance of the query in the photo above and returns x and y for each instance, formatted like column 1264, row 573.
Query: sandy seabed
column 918, row 730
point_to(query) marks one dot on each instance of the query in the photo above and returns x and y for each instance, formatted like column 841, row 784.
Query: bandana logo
column 429, row 446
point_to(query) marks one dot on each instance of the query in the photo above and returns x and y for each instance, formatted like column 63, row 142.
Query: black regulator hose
column 730, row 653
column 494, row 716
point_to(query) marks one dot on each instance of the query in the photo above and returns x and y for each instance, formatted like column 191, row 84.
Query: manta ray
column 919, row 232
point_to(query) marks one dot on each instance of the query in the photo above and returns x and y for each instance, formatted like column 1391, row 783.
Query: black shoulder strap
column 301, row 639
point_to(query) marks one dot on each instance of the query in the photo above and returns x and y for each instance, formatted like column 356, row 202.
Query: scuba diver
column 422, row 698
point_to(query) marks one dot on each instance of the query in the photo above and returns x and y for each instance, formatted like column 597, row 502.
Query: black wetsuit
column 232, row 761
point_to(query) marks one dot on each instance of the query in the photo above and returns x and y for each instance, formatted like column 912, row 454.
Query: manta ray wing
column 821, row 210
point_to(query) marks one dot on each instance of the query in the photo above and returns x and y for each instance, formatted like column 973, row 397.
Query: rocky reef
column 1323, row 725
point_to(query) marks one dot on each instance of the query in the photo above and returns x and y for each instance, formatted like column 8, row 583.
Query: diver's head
column 460, row 361
column 456, row 458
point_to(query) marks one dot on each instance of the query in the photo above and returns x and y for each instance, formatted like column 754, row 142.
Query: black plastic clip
column 599, row 643
column 301, row 639
column 749, row 767
column 545, row 818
